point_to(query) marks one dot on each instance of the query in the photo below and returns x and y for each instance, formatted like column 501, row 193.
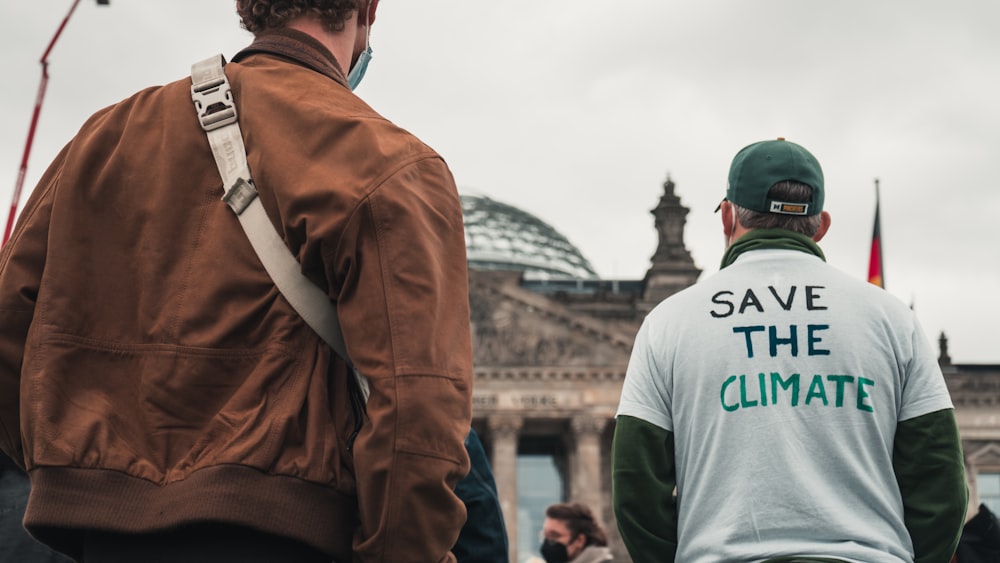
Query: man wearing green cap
column 782, row 411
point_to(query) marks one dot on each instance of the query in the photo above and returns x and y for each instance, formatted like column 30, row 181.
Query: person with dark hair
column 167, row 400
column 572, row 533
column 780, row 410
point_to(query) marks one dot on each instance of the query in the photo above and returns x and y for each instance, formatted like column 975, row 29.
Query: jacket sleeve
column 404, row 309
column 484, row 536
column 643, row 478
column 927, row 461
column 21, row 263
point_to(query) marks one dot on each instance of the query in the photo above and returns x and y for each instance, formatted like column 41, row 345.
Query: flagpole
column 34, row 120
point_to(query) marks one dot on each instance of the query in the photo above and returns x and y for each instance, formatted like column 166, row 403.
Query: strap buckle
column 240, row 195
column 212, row 95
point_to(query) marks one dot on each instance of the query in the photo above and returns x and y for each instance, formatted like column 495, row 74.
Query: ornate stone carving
column 505, row 426
column 542, row 375
column 672, row 267
column 588, row 425
column 980, row 389
column 982, row 454
column 507, row 331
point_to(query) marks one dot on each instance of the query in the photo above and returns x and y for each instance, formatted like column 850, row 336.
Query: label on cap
column 789, row 208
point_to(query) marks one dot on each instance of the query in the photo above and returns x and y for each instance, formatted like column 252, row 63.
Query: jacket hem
column 66, row 502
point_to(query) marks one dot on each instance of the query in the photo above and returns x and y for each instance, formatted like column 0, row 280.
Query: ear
column 728, row 221
column 372, row 6
column 824, row 226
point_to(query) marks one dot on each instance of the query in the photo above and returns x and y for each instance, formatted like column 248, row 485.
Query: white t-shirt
column 782, row 380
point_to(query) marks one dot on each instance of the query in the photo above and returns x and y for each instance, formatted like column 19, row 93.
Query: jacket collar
column 297, row 46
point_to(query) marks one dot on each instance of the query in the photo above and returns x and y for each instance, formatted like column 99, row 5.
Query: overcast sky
column 577, row 111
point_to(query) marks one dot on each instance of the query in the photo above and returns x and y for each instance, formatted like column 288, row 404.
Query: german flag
column 876, row 274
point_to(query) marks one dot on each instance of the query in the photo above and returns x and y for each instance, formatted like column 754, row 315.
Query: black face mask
column 554, row 552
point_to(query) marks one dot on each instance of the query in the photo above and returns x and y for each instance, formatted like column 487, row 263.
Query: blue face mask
column 357, row 71
column 360, row 66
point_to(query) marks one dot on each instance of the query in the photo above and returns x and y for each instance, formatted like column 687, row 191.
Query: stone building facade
column 552, row 341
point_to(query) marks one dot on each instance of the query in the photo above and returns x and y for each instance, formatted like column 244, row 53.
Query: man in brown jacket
column 162, row 394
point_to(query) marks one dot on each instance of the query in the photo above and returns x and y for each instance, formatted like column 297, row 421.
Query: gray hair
column 792, row 192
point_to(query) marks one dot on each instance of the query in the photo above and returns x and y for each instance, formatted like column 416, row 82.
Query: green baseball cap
column 761, row 165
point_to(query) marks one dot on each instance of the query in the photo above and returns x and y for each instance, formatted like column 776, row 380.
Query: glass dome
column 502, row 237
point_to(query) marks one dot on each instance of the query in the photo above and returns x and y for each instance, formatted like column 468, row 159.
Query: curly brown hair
column 261, row 15
column 580, row 520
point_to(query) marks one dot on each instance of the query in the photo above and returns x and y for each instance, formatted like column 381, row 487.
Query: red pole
column 34, row 123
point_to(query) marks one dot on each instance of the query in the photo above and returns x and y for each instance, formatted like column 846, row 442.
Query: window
column 988, row 486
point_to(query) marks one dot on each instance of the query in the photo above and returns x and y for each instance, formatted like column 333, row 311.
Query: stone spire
column 673, row 268
column 944, row 359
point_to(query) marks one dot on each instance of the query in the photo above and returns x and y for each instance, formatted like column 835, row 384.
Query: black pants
column 15, row 543
column 208, row 543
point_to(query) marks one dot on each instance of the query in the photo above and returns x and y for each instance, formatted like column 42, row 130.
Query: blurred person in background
column 572, row 533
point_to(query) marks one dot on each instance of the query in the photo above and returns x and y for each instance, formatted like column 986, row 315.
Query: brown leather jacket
column 150, row 373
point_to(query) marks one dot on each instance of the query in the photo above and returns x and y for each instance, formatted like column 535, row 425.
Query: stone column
column 504, row 431
column 586, row 483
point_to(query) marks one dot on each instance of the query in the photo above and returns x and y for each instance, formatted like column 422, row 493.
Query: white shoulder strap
column 213, row 100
